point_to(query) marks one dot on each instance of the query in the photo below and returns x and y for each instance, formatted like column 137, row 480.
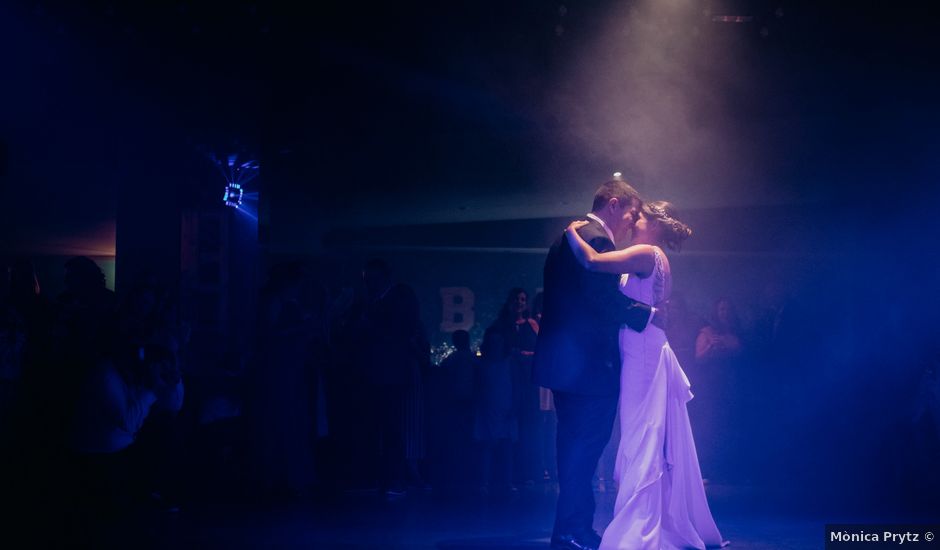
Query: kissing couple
column 602, row 348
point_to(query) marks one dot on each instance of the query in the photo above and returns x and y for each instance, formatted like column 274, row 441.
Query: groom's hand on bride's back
column 660, row 315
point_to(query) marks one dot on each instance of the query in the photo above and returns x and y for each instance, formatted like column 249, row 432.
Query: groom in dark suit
column 578, row 357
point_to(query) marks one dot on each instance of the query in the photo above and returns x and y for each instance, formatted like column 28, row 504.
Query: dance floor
column 748, row 518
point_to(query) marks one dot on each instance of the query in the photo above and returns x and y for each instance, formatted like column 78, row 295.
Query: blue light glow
column 233, row 195
column 237, row 174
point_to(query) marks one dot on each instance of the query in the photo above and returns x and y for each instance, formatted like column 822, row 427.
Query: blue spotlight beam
column 250, row 215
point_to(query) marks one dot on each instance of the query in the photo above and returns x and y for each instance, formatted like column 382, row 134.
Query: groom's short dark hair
column 614, row 189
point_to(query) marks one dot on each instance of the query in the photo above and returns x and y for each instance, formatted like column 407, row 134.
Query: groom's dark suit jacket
column 578, row 347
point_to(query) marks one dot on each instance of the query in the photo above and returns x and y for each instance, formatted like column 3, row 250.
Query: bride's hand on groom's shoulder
column 577, row 224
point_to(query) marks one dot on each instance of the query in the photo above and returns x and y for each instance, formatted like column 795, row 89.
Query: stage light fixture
column 233, row 195
column 238, row 174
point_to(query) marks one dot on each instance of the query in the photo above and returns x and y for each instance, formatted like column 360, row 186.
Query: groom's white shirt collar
column 610, row 233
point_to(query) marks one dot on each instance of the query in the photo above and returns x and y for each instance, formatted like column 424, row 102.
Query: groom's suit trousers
column 585, row 423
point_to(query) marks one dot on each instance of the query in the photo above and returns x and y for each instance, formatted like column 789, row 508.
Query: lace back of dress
column 659, row 277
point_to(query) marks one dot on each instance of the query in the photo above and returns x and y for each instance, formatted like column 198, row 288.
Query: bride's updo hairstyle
column 674, row 232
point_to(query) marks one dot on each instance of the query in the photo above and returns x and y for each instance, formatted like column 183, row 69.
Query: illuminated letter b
column 458, row 308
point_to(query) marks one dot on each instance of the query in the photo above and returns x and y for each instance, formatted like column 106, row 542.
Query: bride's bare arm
column 635, row 259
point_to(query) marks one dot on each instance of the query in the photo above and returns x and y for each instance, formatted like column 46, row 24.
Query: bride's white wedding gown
column 660, row 500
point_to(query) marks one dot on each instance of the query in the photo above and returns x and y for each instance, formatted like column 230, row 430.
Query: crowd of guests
column 81, row 376
column 338, row 394
column 506, row 432
column 346, row 397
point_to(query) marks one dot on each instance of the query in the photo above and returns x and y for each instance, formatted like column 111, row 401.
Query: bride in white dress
column 661, row 500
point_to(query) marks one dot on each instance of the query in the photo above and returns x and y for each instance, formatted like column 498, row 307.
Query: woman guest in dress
column 518, row 331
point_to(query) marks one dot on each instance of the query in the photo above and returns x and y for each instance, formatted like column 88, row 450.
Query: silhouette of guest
column 149, row 308
column 85, row 319
column 118, row 395
column 518, row 332
column 451, row 402
column 26, row 298
column 496, row 427
column 548, row 422
column 720, row 339
column 396, row 353
column 717, row 384
column 81, row 338
column 112, row 404
column 282, row 400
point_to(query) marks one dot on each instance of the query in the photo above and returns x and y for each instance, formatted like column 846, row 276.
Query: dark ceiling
column 463, row 111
